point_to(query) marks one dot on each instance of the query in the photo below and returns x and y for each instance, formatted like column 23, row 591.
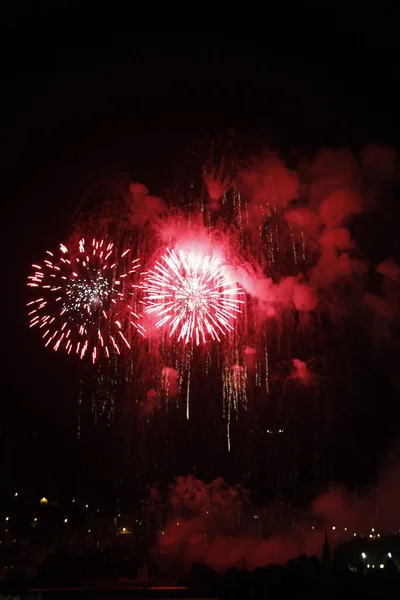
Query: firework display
column 241, row 302
column 84, row 298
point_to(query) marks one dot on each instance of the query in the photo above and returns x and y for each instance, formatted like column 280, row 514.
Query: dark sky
column 82, row 94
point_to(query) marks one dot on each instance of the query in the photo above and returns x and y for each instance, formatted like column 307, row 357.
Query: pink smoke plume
column 288, row 292
column 301, row 371
column 319, row 202
column 329, row 190
column 142, row 206
column 389, row 269
column 290, row 238
column 171, row 377
column 385, row 306
column 268, row 179
column 150, row 404
column 217, row 183
column 217, row 525
column 250, row 357
column 381, row 162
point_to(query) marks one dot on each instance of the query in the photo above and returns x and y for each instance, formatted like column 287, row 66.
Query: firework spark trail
column 192, row 295
column 84, row 298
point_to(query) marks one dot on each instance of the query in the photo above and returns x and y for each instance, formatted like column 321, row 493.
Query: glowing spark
column 192, row 295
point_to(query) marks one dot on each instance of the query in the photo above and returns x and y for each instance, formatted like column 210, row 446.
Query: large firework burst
column 192, row 295
column 85, row 298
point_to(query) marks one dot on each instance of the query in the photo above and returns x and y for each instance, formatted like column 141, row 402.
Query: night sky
column 82, row 97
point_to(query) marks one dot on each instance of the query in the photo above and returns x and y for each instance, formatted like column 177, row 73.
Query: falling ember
column 191, row 295
column 82, row 302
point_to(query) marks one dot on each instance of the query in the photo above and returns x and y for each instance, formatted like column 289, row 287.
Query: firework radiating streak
column 84, row 302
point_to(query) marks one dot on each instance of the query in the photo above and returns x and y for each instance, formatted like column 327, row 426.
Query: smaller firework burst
column 85, row 294
column 192, row 295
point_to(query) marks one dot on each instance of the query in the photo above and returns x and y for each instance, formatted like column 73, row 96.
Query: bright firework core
column 192, row 295
column 87, row 295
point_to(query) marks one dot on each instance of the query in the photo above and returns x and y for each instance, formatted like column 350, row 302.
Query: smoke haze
column 217, row 525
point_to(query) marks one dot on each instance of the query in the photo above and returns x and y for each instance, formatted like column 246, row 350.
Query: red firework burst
column 84, row 298
column 192, row 295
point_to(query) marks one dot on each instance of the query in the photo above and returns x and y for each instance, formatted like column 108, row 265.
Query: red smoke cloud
column 385, row 307
column 301, row 371
column 338, row 207
column 217, row 183
column 250, row 357
column 216, row 524
column 289, row 292
column 381, row 162
column 150, row 403
column 171, row 377
column 331, row 198
column 319, row 202
column 142, row 206
column 330, row 170
column 289, row 238
column 389, row 269
column 304, row 219
column 269, row 180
